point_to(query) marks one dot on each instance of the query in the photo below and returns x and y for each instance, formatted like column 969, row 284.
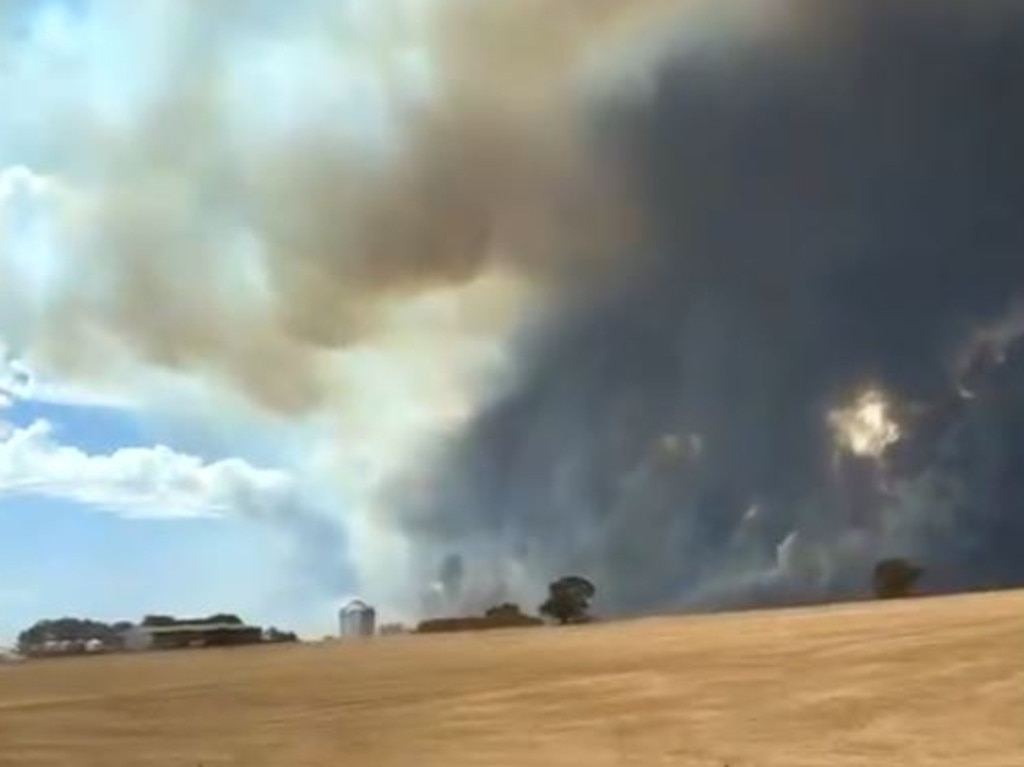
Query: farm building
column 10, row 656
column 357, row 619
column 191, row 634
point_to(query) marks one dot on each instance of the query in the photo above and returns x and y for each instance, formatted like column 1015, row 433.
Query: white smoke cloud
column 139, row 482
column 323, row 210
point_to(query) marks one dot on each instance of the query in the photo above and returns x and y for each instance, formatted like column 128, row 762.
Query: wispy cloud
column 143, row 482
column 17, row 382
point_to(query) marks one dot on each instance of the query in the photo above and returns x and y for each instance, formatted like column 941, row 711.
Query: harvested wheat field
column 931, row 681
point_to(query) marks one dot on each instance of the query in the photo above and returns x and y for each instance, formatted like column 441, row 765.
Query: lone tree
column 569, row 600
column 895, row 578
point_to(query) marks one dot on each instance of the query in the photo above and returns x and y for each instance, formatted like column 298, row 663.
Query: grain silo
column 357, row 619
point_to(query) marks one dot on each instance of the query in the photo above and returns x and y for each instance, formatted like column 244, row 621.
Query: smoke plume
column 588, row 284
column 832, row 210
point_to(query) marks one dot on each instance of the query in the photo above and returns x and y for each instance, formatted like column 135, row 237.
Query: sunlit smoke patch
column 866, row 427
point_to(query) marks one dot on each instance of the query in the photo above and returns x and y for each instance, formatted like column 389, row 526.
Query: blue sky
column 112, row 512
column 60, row 556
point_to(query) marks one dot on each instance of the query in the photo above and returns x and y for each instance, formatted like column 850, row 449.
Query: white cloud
column 17, row 181
column 147, row 482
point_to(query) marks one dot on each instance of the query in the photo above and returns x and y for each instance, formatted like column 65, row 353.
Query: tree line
column 69, row 635
column 569, row 598
column 568, row 602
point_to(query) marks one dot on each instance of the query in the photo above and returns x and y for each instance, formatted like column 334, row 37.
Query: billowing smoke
column 833, row 212
column 587, row 286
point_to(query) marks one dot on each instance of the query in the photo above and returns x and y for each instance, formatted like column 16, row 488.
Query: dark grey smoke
column 840, row 210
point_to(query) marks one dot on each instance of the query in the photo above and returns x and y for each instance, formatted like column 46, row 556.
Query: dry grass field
column 923, row 682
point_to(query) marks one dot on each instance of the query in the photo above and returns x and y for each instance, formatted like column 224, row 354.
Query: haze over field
column 714, row 303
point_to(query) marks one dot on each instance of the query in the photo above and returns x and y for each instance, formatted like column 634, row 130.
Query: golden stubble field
column 923, row 682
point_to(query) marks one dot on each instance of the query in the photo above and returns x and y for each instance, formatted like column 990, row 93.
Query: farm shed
column 181, row 635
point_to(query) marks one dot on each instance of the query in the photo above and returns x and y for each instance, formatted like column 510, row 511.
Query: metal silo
column 357, row 619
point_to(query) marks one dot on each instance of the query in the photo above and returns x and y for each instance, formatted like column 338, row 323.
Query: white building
column 137, row 638
column 10, row 656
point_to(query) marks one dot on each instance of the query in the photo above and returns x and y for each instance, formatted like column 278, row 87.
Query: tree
column 153, row 621
column 504, row 610
column 275, row 635
column 569, row 600
column 226, row 618
column 895, row 578
column 71, row 633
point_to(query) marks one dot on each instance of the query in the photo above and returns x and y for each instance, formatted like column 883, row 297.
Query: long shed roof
column 198, row 627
